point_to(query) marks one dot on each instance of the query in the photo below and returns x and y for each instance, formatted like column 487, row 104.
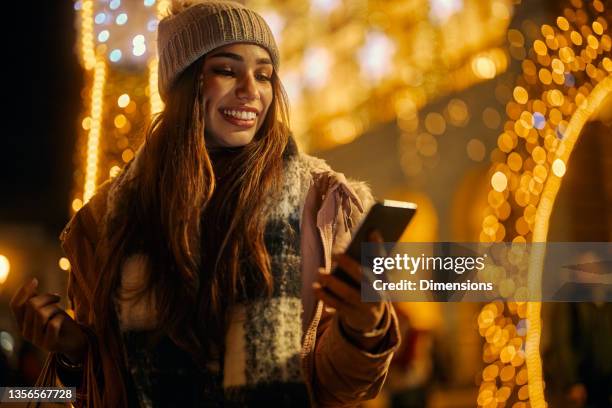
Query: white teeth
column 243, row 115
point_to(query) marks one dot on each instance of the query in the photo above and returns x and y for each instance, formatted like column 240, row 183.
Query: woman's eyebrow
column 237, row 57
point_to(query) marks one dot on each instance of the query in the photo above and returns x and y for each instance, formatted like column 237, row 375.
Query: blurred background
column 462, row 106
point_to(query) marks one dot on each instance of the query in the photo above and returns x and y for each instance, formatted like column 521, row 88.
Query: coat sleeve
column 78, row 240
column 344, row 374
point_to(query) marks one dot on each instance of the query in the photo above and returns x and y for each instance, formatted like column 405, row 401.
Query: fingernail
column 316, row 285
column 34, row 283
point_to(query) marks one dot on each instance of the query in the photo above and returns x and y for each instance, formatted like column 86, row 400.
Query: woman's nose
column 247, row 88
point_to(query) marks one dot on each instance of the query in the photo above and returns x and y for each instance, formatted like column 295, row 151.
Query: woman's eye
column 263, row 77
column 224, row 72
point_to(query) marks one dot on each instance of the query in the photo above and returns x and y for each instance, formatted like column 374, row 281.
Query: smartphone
column 388, row 219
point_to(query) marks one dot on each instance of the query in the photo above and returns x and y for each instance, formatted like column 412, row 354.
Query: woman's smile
column 244, row 117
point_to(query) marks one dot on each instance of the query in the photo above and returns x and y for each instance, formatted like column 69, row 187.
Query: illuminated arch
column 540, row 234
column 566, row 78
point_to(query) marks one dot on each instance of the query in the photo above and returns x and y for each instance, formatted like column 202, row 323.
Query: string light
column 154, row 97
column 87, row 35
column 93, row 139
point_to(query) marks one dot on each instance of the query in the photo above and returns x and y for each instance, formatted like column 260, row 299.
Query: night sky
column 40, row 107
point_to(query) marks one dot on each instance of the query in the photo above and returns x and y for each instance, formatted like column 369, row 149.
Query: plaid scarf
column 262, row 361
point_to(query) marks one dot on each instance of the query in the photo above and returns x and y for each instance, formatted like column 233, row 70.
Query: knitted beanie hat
column 197, row 29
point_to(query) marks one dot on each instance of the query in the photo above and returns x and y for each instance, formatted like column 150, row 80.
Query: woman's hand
column 46, row 325
column 358, row 316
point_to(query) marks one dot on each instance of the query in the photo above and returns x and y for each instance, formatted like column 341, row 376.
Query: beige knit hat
column 194, row 30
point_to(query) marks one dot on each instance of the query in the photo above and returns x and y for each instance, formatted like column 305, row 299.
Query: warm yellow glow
column 562, row 23
column 499, row 181
column 539, row 154
column 476, row 150
column 484, row 67
column 127, row 155
column 576, row 38
column 545, row 76
column 539, row 47
column 123, row 101
column 114, row 171
column 435, row 123
column 567, row 55
column 87, row 34
column 64, row 263
column 491, row 118
column 505, row 142
column 155, row 100
column 457, row 112
column 77, row 203
column 558, row 66
column 162, row 8
column 5, row 268
column 515, row 161
column 426, row 144
column 342, row 130
column 120, row 121
column 507, row 373
column 93, row 139
column 490, row 372
column 555, row 97
column 515, row 38
column 541, row 119
column 558, row 167
column 405, row 108
column 520, row 95
column 540, row 233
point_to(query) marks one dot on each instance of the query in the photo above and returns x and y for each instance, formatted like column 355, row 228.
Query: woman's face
column 237, row 93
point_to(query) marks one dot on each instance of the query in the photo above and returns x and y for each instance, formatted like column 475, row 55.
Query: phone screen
column 385, row 221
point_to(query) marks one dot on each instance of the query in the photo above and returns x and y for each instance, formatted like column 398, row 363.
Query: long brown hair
column 160, row 214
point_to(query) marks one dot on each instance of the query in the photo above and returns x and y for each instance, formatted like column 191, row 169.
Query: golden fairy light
column 93, row 140
column 123, row 96
column 64, row 263
column 154, row 99
column 549, row 108
column 123, row 100
column 87, row 34
column 5, row 268
column 77, row 203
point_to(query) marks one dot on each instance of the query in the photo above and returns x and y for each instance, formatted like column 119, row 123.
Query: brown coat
column 337, row 372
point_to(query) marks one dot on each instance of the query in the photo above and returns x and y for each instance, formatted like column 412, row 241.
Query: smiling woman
column 238, row 91
column 199, row 274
